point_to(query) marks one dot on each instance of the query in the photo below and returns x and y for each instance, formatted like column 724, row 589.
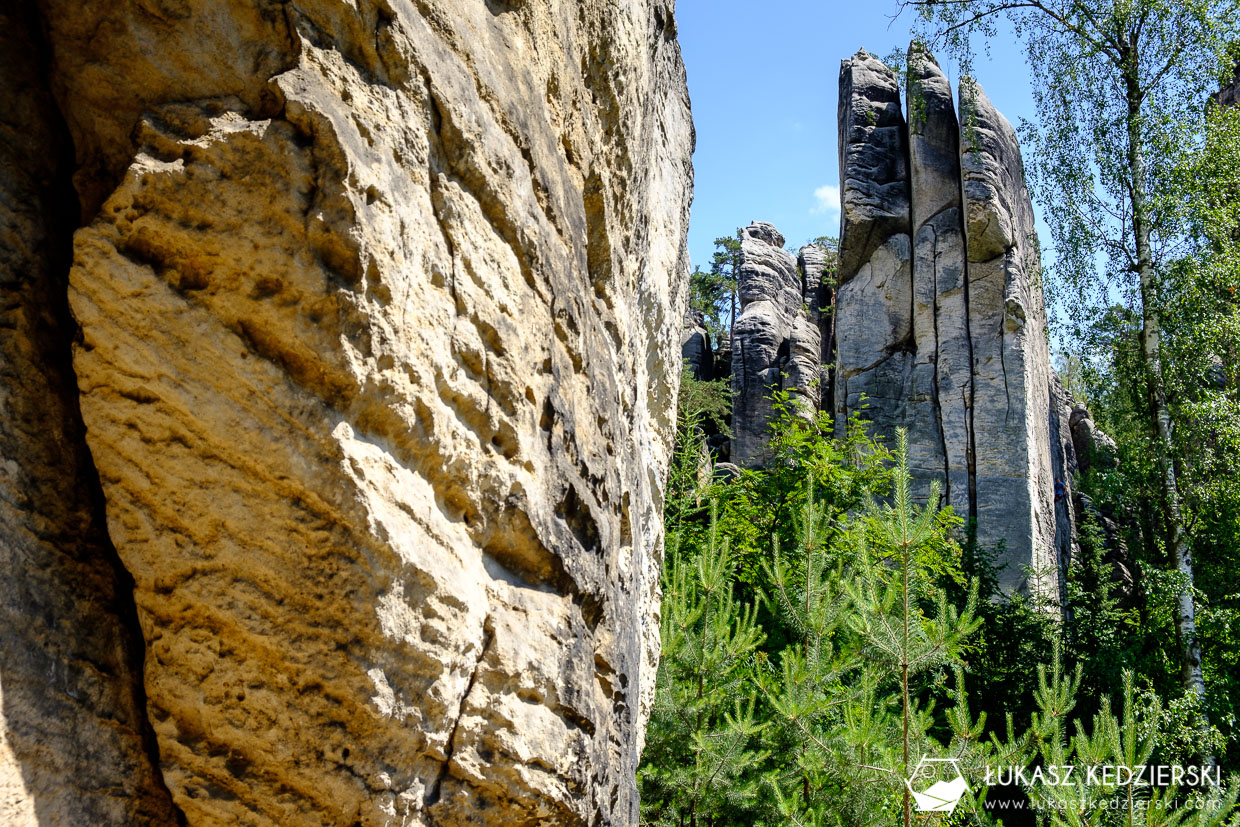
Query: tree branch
column 1106, row 46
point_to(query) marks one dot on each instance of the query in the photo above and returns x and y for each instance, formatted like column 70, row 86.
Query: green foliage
column 1100, row 633
column 806, row 462
column 1201, row 324
column 713, row 292
column 1204, row 310
column 764, row 505
column 710, row 295
column 704, row 402
column 701, row 405
column 1202, row 317
column 1130, row 740
column 700, row 750
column 785, row 690
column 858, row 637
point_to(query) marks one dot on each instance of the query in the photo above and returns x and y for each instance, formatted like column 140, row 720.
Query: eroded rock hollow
column 369, row 407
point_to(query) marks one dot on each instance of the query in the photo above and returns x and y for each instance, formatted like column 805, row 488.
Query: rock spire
column 934, row 321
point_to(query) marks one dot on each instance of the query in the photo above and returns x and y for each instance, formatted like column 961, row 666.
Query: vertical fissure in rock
column 127, row 612
column 1007, row 389
column 929, row 319
column 935, row 399
column 828, row 344
column 435, row 790
column 970, row 402
column 72, row 670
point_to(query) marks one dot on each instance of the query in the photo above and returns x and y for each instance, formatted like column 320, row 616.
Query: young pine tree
column 900, row 610
column 868, row 621
column 700, row 761
column 701, row 405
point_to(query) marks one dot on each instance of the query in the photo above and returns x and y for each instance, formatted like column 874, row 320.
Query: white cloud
column 826, row 200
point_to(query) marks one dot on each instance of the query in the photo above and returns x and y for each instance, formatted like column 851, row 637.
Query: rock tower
column 934, row 320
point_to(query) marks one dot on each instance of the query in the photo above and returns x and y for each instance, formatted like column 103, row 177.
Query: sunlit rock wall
column 379, row 308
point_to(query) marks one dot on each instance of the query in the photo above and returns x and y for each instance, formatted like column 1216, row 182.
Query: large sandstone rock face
column 874, row 305
column 380, row 307
column 936, row 323
column 941, row 400
column 1020, row 448
column 940, row 324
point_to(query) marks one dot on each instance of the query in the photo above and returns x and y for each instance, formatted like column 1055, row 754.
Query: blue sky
column 763, row 78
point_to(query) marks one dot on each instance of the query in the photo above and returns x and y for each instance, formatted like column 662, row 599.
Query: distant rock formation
column 818, row 266
column 695, row 346
column 1229, row 91
column 937, row 324
column 777, row 342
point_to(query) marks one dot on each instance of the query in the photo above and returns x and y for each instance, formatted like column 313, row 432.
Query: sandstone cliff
column 379, row 309
column 937, row 324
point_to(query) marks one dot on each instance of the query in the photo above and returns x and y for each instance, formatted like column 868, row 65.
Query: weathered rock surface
column 380, row 308
column 940, row 321
column 873, row 151
column 939, row 411
column 695, row 347
column 813, row 339
column 1048, row 564
column 769, row 287
column 874, row 344
column 1018, row 457
column 1094, row 447
column 818, row 272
